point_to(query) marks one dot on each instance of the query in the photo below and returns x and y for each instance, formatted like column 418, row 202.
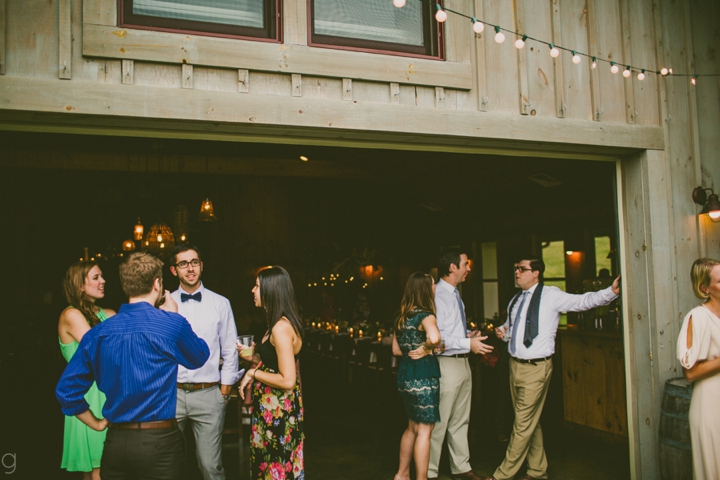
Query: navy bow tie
column 184, row 297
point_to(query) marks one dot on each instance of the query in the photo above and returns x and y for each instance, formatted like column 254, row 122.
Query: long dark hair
column 277, row 297
column 73, row 288
column 418, row 295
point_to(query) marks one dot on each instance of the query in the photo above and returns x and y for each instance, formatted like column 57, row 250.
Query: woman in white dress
column 698, row 350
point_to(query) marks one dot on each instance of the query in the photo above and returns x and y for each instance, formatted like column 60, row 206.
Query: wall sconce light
column 711, row 204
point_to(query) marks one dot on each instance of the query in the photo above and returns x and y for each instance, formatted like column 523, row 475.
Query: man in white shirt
column 203, row 393
column 455, row 374
column 531, row 327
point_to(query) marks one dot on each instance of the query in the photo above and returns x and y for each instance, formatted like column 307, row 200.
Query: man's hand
column 170, row 304
column 616, row 286
column 476, row 346
column 225, row 389
column 501, row 331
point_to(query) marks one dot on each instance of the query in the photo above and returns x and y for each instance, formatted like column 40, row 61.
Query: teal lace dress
column 418, row 381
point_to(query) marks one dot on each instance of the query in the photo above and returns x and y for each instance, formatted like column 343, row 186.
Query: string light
column 614, row 68
column 520, row 42
column 554, row 52
column 478, row 26
column 641, row 75
column 626, row 72
column 399, row 3
column 440, row 15
column 499, row 36
column 663, row 71
column 575, row 57
column 694, row 80
column 594, row 62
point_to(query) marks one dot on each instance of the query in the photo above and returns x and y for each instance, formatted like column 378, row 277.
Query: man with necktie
column 202, row 394
column 531, row 327
column 134, row 358
column 455, row 373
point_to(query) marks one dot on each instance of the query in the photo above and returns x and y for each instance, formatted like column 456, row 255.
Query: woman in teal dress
column 418, row 377
column 83, row 285
column 276, row 416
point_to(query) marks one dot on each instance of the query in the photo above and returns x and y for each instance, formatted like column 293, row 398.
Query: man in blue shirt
column 134, row 359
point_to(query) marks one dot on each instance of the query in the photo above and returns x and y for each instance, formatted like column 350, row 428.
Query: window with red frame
column 257, row 19
column 375, row 25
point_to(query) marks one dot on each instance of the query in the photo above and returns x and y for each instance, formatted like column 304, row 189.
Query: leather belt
column 534, row 361
column 145, row 425
column 191, row 387
column 457, row 355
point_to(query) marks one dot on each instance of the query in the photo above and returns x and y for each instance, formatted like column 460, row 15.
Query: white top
column 706, row 332
column 449, row 320
column 552, row 302
column 212, row 320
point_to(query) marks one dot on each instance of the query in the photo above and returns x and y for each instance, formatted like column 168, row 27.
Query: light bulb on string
column 641, row 75
column 554, row 52
column 478, row 26
column 399, row 3
column 594, row 62
column 626, row 72
column 440, row 15
column 520, row 42
column 575, row 57
column 499, row 36
column 663, row 71
column 614, row 68
column 694, row 80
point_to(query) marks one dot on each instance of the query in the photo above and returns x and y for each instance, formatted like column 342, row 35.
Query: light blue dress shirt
column 450, row 320
column 212, row 320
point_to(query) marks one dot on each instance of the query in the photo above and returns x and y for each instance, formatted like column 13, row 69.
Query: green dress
column 83, row 446
column 418, row 381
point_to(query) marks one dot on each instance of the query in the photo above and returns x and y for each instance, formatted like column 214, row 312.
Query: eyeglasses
column 183, row 265
column 521, row 268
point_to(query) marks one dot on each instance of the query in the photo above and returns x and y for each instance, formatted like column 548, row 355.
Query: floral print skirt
column 276, row 446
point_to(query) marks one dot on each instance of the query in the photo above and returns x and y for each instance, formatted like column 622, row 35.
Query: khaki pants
column 455, row 395
column 528, row 386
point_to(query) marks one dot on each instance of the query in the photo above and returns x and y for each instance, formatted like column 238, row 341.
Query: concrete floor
column 352, row 430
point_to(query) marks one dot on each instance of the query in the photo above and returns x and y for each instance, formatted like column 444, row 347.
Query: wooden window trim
column 273, row 20
column 437, row 41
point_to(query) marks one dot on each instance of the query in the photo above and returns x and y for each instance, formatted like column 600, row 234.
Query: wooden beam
column 128, row 72
column 187, row 76
column 593, row 49
column 243, row 81
column 317, row 117
column 560, row 104
column 3, row 26
column 164, row 47
column 630, row 112
column 481, row 67
column 65, row 39
column 524, row 95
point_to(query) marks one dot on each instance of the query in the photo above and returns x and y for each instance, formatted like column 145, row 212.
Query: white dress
column 704, row 410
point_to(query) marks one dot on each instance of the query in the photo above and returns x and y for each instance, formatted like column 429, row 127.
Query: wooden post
column 65, row 39
column 3, row 55
column 560, row 104
column 522, row 61
column 630, row 113
column 480, row 60
column 593, row 49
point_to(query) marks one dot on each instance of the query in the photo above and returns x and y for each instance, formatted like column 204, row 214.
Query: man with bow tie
column 203, row 393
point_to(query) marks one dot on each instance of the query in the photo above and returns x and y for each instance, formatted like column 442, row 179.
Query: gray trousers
column 204, row 410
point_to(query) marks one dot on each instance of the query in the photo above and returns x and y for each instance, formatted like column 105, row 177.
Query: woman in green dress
column 418, row 377
column 83, row 285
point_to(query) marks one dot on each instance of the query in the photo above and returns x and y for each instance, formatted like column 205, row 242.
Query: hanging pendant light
column 159, row 240
column 138, row 231
column 128, row 246
column 207, row 211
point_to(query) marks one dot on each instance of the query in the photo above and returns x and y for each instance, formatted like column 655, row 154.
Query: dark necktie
column 531, row 325
column 184, row 297
column 515, row 323
column 462, row 309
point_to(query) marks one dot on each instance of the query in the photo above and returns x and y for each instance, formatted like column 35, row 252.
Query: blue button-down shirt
column 134, row 358
column 449, row 320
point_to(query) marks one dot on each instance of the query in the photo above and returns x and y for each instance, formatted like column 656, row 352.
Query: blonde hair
column 700, row 275
column 73, row 284
column 138, row 274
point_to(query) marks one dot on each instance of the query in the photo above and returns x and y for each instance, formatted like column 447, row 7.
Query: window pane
column 244, row 13
column 376, row 20
column 489, row 261
column 554, row 257
column 490, row 299
column 556, row 283
column 602, row 250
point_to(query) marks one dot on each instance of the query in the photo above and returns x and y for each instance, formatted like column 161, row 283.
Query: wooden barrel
column 675, row 446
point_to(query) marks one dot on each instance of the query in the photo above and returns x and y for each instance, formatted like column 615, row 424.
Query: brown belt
column 191, row 387
column 145, row 425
